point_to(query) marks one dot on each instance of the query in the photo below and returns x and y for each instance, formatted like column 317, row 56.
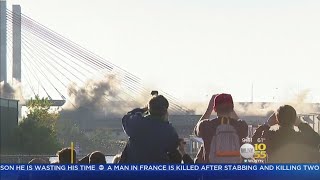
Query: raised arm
column 272, row 120
column 131, row 121
column 209, row 110
column 205, row 116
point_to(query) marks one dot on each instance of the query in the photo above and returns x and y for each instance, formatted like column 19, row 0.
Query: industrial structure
column 8, row 121
column 9, row 108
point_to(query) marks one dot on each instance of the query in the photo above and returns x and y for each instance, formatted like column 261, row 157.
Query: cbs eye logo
column 258, row 151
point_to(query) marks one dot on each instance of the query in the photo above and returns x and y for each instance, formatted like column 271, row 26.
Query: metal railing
column 22, row 159
column 313, row 119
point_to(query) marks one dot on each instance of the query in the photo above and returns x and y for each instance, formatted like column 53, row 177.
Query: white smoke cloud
column 11, row 91
column 255, row 109
column 6, row 91
column 102, row 97
column 299, row 102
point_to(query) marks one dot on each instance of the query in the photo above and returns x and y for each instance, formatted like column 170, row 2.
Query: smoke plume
column 299, row 102
column 6, row 91
column 11, row 91
column 101, row 99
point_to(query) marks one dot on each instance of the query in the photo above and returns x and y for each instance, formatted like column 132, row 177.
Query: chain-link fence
column 22, row 159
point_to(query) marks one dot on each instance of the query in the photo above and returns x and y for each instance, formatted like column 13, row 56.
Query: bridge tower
column 3, row 41
column 16, row 42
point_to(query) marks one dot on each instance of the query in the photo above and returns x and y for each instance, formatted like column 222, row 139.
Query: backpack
column 225, row 144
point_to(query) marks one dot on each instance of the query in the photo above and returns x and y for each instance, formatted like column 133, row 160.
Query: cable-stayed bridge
column 39, row 61
column 43, row 62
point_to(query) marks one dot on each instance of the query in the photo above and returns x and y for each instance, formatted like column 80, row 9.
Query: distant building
column 9, row 121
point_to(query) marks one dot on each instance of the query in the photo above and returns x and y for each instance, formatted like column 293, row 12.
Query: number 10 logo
column 260, row 151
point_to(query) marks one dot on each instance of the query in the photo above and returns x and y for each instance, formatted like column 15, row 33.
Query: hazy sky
column 194, row 48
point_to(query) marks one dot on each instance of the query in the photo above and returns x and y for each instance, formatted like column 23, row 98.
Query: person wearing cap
column 223, row 105
column 151, row 135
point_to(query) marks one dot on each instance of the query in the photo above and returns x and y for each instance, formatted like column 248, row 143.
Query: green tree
column 34, row 138
column 36, row 133
column 39, row 110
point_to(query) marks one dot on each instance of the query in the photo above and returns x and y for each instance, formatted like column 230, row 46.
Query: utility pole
column 251, row 92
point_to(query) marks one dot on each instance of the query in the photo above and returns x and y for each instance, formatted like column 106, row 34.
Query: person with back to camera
column 284, row 143
column 37, row 161
column 97, row 157
column 64, row 156
column 223, row 135
column 116, row 159
column 179, row 155
column 151, row 136
column 85, row 159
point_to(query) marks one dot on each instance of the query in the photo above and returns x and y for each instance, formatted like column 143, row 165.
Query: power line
column 63, row 43
column 36, row 49
column 45, row 61
column 175, row 106
column 82, row 56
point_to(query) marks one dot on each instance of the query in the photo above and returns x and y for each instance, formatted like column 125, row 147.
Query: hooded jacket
column 150, row 138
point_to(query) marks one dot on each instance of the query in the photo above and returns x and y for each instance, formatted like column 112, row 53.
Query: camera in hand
column 154, row 93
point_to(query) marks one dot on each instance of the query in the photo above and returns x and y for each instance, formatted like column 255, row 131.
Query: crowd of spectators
column 152, row 139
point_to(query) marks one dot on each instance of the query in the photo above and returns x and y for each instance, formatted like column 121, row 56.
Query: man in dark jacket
column 150, row 136
column 285, row 144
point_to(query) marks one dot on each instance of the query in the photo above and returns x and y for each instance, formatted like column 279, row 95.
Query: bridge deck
column 53, row 102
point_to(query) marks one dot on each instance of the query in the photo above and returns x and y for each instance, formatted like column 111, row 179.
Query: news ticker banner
column 161, row 171
column 162, row 167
